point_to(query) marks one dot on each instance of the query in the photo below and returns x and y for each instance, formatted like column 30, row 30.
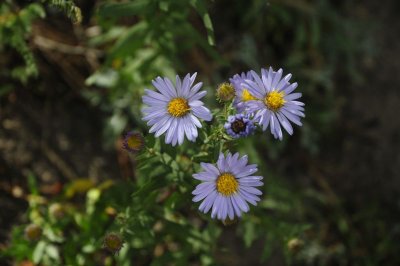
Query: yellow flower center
column 246, row 96
column 274, row 100
column 178, row 107
column 227, row 184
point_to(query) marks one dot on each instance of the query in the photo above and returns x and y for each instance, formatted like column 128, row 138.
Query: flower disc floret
column 227, row 187
column 239, row 125
column 274, row 100
column 178, row 107
column 246, row 96
column 227, row 184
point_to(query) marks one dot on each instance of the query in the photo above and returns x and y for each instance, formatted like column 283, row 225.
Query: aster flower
column 239, row 125
column 242, row 93
column 175, row 110
column 275, row 104
column 133, row 142
column 227, row 187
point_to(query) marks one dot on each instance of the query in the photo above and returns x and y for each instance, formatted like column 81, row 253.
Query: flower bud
column 113, row 242
column 294, row 245
column 57, row 211
column 33, row 232
column 225, row 92
column 133, row 142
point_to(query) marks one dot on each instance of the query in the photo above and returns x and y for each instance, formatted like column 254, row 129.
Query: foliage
column 15, row 25
column 142, row 51
column 68, row 7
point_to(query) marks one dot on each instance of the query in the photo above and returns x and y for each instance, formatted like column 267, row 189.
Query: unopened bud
column 294, row 245
column 110, row 211
column 134, row 142
column 225, row 92
column 56, row 211
column 113, row 242
column 33, row 232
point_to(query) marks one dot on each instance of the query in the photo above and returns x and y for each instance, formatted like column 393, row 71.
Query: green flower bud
column 225, row 92
column 57, row 211
column 33, row 232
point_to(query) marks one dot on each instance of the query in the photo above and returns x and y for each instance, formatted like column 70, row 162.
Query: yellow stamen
column 274, row 100
column 178, row 107
column 246, row 96
column 227, row 184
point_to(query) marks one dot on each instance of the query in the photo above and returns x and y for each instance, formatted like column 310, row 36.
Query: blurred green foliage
column 15, row 26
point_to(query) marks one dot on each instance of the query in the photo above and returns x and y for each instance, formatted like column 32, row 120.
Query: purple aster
column 275, row 105
column 239, row 125
column 227, row 187
column 175, row 109
column 242, row 93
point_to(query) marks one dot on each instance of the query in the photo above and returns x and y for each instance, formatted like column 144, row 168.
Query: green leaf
column 38, row 252
column 202, row 10
column 133, row 40
column 151, row 185
column 52, row 251
column 249, row 233
column 117, row 10
column 32, row 184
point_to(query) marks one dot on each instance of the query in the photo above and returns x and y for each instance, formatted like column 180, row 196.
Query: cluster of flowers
column 265, row 101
